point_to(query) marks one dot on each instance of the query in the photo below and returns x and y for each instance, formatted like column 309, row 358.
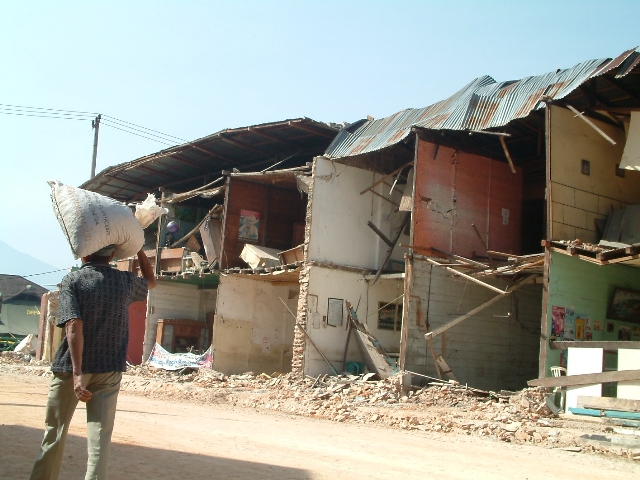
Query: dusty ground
column 177, row 429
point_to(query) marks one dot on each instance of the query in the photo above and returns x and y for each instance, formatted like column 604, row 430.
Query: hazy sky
column 191, row 68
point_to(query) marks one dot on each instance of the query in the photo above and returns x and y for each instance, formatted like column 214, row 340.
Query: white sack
column 147, row 212
column 91, row 221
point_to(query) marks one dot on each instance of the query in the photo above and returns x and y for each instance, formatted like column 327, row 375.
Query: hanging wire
column 112, row 122
column 117, row 120
column 45, row 273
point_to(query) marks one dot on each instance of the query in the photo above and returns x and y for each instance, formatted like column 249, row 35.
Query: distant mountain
column 13, row 262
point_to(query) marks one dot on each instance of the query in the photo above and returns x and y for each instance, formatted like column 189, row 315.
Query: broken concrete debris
column 443, row 407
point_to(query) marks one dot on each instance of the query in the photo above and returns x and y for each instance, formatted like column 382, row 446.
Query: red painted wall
column 137, row 320
column 279, row 209
column 455, row 190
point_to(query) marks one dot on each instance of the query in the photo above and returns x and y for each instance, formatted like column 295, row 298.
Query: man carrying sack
column 94, row 311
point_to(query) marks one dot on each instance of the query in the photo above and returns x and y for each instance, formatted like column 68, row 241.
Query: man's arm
column 73, row 330
column 147, row 270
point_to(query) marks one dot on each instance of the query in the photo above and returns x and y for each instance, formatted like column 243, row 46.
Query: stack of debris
column 442, row 407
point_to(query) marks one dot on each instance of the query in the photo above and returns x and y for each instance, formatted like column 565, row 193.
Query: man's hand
column 75, row 338
column 82, row 393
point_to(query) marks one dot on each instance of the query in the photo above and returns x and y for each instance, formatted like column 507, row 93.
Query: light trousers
column 101, row 412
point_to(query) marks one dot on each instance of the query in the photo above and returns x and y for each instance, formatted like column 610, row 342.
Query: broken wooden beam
column 586, row 379
column 607, row 403
column 507, row 154
column 606, row 345
column 380, row 234
column 479, row 308
column 464, row 275
column 592, row 125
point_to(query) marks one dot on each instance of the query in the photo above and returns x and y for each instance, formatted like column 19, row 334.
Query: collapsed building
column 440, row 241
column 195, row 182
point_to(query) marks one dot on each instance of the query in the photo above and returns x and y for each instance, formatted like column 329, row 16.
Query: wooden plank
column 606, row 345
column 406, row 219
column 380, row 234
column 452, row 323
column 445, row 368
column 591, row 124
column 507, row 154
column 385, row 177
column 435, row 357
column 608, row 403
column 585, row 411
column 446, row 327
column 626, row 415
column 468, row 277
column 586, row 379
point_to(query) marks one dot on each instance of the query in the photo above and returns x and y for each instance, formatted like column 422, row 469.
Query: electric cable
column 43, row 108
column 43, row 116
column 138, row 135
column 113, row 122
column 45, row 273
column 131, row 129
column 145, row 128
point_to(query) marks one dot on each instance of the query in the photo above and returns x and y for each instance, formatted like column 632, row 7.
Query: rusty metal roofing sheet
column 482, row 104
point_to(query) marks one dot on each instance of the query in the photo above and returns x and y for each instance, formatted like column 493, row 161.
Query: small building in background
column 19, row 308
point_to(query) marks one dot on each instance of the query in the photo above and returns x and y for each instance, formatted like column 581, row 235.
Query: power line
column 45, row 273
column 118, row 124
column 145, row 128
column 164, row 137
column 137, row 134
column 43, row 112
column 42, row 116
column 51, row 109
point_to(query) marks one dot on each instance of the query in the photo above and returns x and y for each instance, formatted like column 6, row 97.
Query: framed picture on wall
column 389, row 316
column 334, row 311
column 625, row 305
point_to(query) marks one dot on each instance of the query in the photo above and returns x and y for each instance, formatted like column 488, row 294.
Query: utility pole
column 95, row 124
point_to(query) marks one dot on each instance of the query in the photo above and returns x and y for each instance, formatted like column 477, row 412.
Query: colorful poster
column 580, row 328
column 249, row 223
column 557, row 327
column 569, row 324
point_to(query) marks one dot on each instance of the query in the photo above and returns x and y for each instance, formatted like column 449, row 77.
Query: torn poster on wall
column 249, row 223
column 161, row 358
column 557, row 327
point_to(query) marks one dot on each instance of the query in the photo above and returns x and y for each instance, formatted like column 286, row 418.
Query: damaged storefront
column 193, row 242
column 500, row 166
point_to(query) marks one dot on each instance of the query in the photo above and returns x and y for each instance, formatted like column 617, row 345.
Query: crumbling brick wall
column 299, row 339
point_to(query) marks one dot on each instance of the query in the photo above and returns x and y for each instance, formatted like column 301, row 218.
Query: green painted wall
column 20, row 317
column 587, row 288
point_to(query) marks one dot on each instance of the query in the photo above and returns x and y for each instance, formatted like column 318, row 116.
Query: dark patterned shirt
column 100, row 296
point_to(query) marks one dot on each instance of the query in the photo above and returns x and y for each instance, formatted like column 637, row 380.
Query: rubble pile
column 441, row 407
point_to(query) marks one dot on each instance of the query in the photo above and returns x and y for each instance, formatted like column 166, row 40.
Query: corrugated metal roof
column 482, row 104
column 189, row 166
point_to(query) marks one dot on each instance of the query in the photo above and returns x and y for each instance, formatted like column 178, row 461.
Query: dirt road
column 159, row 439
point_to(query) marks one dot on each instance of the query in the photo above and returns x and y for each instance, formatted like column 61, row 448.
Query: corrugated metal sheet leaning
column 482, row 104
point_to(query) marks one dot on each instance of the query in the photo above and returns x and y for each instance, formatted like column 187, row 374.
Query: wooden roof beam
column 307, row 128
column 272, row 137
column 624, row 90
column 246, row 146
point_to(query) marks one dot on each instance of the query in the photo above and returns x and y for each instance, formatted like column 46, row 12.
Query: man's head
column 105, row 255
